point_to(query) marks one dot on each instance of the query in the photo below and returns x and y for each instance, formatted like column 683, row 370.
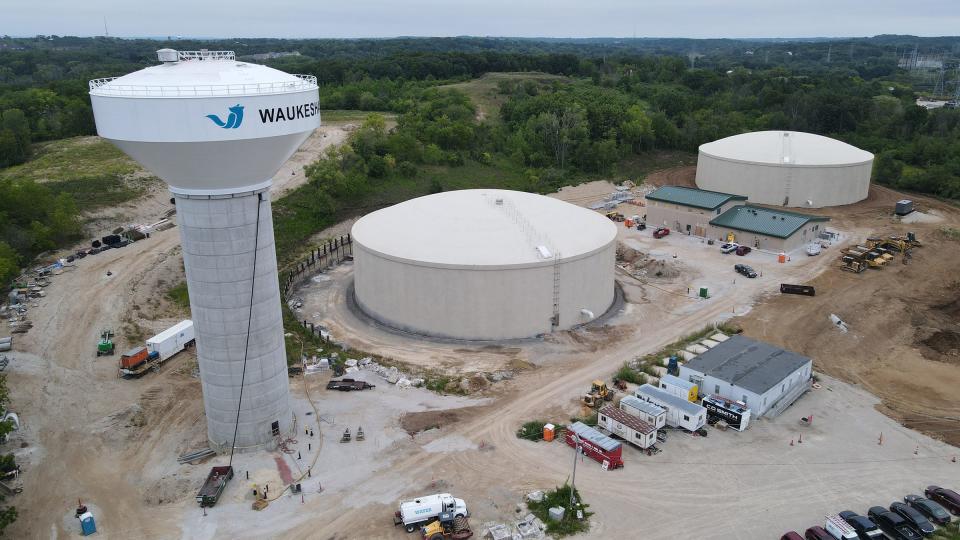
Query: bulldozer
column 852, row 264
column 599, row 392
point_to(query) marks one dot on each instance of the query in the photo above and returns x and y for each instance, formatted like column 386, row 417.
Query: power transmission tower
column 829, row 52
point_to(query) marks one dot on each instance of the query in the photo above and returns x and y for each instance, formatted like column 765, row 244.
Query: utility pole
column 573, row 479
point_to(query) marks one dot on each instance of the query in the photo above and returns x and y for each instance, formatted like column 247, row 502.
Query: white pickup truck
column 413, row 514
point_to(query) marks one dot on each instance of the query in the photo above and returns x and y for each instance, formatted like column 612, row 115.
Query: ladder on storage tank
column 787, row 159
column 555, row 320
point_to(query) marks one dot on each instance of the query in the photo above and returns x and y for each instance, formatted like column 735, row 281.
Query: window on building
column 716, row 389
column 745, row 398
column 638, row 435
column 783, row 387
column 764, row 402
column 718, row 211
column 685, row 417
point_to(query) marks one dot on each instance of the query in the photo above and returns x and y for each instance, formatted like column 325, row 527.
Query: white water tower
column 217, row 130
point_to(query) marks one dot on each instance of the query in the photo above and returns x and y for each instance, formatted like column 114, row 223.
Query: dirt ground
column 87, row 434
column 905, row 341
column 113, row 443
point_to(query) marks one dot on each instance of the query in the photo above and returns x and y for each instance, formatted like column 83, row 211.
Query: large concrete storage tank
column 217, row 130
column 484, row 264
column 786, row 168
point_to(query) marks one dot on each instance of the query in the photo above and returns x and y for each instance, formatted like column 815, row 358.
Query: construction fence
column 330, row 254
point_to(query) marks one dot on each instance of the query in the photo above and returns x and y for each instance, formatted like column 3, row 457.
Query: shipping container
column 652, row 414
column 172, row 340
column 680, row 388
column 134, row 357
column 595, row 445
column 680, row 412
column 627, row 426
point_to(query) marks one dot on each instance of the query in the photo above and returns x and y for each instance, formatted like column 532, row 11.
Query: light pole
column 573, row 478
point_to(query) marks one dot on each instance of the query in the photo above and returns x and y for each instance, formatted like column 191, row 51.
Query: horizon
column 559, row 19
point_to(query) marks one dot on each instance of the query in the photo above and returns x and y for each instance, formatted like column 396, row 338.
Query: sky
column 517, row 18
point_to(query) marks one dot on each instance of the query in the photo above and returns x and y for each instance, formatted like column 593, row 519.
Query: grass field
column 95, row 172
column 484, row 92
column 343, row 116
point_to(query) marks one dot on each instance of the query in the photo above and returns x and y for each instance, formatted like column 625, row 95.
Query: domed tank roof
column 201, row 74
column 786, row 148
column 484, row 228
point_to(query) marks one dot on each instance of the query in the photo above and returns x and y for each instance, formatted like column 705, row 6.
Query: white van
column 838, row 528
column 420, row 511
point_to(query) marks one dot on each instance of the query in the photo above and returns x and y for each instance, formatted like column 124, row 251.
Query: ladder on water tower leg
column 555, row 320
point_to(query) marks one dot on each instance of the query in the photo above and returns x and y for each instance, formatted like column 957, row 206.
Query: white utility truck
column 420, row 511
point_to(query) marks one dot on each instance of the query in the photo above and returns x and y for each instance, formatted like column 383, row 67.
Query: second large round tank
column 484, row 265
column 786, row 168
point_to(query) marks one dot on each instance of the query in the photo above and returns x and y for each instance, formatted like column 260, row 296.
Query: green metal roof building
column 766, row 228
column 696, row 198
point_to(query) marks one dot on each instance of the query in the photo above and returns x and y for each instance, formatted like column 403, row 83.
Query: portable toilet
column 87, row 525
column 548, row 432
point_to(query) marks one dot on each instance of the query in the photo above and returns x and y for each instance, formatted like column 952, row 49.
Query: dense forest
column 610, row 100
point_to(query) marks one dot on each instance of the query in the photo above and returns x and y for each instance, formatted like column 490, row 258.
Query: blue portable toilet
column 87, row 525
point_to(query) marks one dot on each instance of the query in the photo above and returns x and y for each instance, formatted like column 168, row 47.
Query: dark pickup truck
column 346, row 385
column 217, row 480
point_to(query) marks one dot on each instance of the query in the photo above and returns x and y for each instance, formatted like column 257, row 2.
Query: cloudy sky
column 529, row 18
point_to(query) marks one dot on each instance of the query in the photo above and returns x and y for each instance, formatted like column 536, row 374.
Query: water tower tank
column 217, row 130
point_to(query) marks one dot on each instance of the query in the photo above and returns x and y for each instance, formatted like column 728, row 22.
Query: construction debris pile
column 626, row 193
column 641, row 266
column 527, row 528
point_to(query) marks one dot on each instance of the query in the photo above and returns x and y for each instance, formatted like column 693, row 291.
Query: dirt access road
column 88, row 434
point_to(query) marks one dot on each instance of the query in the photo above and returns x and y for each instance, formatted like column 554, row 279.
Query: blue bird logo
column 233, row 121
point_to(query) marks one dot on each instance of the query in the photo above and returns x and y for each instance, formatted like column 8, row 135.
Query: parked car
column 914, row 517
column 946, row 498
column 660, row 232
column 817, row 533
column 932, row 510
column 743, row 250
column 813, row 249
column 792, row 535
column 865, row 527
column 745, row 270
column 892, row 524
column 729, row 247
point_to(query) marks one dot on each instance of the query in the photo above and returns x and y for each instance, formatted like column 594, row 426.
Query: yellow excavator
column 599, row 392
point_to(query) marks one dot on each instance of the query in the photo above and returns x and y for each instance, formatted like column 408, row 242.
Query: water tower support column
column 221, row 239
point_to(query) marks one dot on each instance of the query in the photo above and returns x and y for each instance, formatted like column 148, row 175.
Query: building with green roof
column 687, row 210
column 766, row 228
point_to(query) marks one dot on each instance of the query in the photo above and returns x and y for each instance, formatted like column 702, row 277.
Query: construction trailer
column 734, row 413
column 172, row 340
column 680, row 412
column 597, row 446
column 652, row 414
column 680, row 388
column 627, row 426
